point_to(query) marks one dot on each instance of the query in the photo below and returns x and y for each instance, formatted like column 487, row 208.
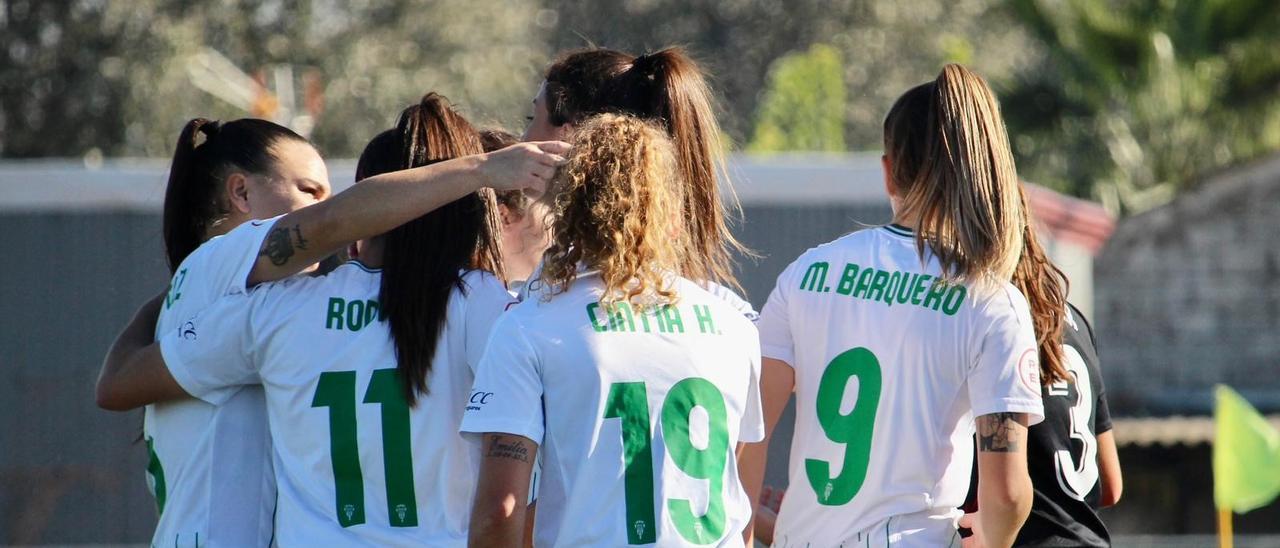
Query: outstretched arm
column 139, row 333
column 383, row 202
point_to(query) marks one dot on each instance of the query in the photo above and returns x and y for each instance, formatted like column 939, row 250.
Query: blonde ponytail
column 953, row 169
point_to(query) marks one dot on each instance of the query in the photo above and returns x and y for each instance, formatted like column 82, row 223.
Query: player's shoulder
column 721, row 301
column 989, row 300
column 477, row 283
column 856, row 240
column 480, row 287
column 352, row 278
column 731, row 298
column 1076, row 321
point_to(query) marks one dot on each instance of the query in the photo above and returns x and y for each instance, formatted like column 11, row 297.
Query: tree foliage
column 1121, row 100
column 803, row 104
column 1141, row 96
column 116, row 76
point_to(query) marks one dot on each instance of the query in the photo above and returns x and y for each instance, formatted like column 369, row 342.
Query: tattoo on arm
column 281, row 242
column 515, row 449
column 996, row 433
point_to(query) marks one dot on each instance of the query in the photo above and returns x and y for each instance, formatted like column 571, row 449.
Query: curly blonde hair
column 619, row 209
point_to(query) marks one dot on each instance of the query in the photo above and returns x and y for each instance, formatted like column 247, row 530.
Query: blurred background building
column 1151, row 128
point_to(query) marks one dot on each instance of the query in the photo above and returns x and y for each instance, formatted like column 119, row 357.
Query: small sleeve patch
column 1029, row 370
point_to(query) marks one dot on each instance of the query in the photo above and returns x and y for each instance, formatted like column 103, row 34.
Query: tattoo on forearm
column 515, row 450
column 281, row 242
column 996, row 433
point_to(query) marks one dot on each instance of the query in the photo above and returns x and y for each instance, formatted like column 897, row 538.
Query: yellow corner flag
column 1246, row 455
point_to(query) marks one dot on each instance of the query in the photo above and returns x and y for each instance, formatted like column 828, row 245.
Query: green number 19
column 337, row 391
column 854, row 429
column 628, row 401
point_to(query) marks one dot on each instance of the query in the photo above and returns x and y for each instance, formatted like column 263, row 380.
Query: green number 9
column 853, row 429
column 708, row 464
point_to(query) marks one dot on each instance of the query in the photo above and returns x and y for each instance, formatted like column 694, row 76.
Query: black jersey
column 1062, row 451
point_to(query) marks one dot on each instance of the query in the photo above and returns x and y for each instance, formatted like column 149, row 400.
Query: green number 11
column 628, row 401
column 337, row 391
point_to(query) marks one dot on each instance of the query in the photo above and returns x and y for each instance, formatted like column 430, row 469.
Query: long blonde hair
column 953, row 170
column 619, row 209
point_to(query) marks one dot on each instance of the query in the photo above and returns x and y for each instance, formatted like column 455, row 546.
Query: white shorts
column 921, row 530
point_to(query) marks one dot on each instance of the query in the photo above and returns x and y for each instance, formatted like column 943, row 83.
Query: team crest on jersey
column 188, row 331
column 1029, row 370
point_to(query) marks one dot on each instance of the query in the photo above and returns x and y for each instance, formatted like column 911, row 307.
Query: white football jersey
column 636, row 414
column 891, row 367
column 729, row 296
column 210, row 465
column 355, row 465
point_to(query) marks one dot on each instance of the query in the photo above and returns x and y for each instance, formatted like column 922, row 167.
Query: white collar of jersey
column 535, row 286
column 899, row 230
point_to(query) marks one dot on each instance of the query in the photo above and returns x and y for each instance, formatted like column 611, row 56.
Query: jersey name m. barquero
column 892, row 363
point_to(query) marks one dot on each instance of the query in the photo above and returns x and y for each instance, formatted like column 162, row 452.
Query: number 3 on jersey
column 628, row 401
column 337, row 391
column 853, row 429
column 1078, row 479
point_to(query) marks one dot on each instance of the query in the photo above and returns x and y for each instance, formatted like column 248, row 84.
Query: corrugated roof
column 1168, row 431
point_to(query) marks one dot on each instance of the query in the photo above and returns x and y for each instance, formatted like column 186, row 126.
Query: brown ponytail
column 669, row 89
column 194, row 199
column 424, row 259
column 953, row 171
column 1046, row 288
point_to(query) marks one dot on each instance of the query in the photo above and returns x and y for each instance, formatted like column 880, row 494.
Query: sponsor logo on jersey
column 478, row 398
column 1029, row 370
column 188, row 331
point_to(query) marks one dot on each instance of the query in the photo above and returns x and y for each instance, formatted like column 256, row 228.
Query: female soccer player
column 202, row 464
column 368, row 368
column 895, row 338
column 245, row 169
column 634, row 382
column 669, row 89
column 1071, row 456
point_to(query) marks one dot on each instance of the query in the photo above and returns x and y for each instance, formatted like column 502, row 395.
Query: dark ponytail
column 424, row 259
column 667, row 88
column 194, row 199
